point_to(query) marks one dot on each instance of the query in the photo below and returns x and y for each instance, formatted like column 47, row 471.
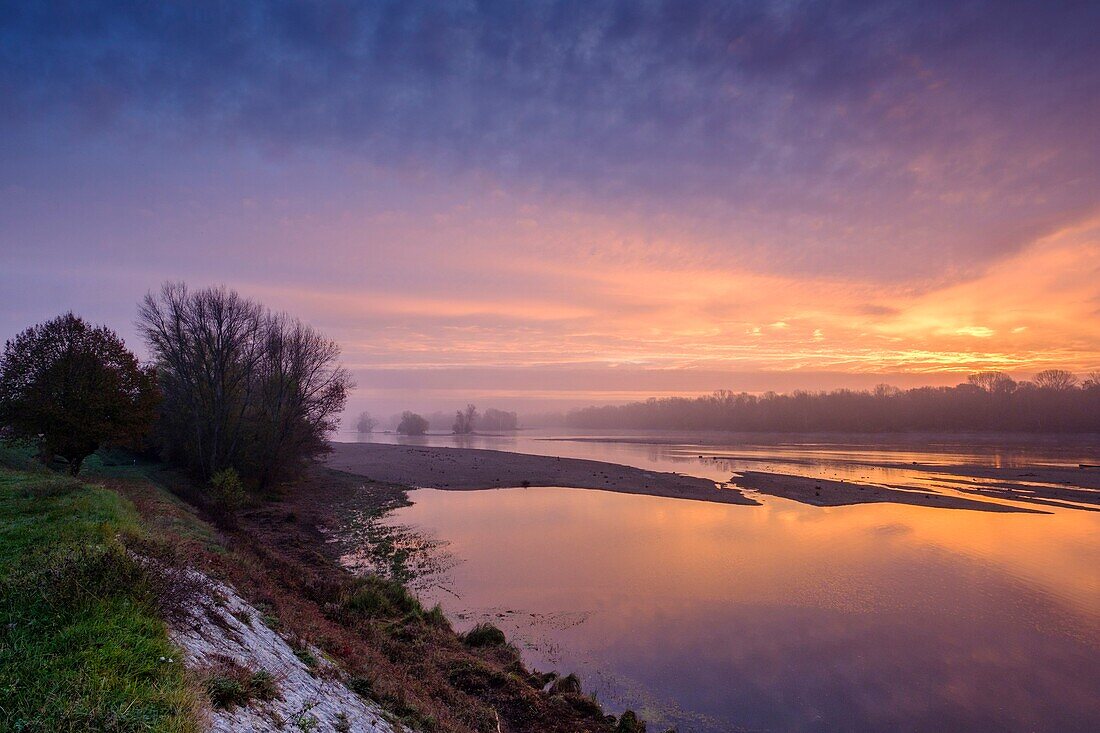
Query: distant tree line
column 466, row 421
column 1054, row 401
column 236, row 394
column 497, row 420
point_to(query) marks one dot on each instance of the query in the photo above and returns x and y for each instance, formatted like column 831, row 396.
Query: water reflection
column 784, row 616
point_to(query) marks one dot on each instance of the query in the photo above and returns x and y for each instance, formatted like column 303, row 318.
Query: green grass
column 81, row 646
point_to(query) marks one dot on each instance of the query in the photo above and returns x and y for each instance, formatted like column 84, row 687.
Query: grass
column 229, row 685
column 81, row 644
column 484, row 634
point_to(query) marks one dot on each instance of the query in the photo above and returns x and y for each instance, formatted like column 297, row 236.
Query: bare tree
column 465, row 420
column 243, row 388
column 206, row 343
column 366, row 423
column 1058, row 380
column 993, row 382
column 493, row 419
column 299, row 394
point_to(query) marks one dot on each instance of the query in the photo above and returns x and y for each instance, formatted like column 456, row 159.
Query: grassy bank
column 82, row 645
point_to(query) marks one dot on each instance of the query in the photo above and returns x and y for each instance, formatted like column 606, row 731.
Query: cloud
column 909, row 187
column 915, row 138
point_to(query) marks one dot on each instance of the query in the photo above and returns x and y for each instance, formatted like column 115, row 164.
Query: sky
column 545, row 204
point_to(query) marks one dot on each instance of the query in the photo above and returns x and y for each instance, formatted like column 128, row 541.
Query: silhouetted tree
column 70, row 388
column 993, row 382
column 243, row 388
column 493, row 419
column 412, row 424
column 299, row 394
column 366, row 423
column 465, row 420
column 1056, row 379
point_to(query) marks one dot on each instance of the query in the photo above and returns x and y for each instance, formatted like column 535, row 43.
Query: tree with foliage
column 366, row 423
column 71, row 387
column 243, row 388
column 412, row 424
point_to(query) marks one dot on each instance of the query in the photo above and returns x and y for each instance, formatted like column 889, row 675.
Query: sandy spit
column 470, row 468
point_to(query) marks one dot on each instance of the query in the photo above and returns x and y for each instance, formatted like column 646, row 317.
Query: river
column 784, row 616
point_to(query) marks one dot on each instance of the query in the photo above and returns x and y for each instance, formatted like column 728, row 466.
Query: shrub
column 629, row 723
column 227, row 494
column 226, row 692
column 306, row 657
column 361, row 686
column 263, row 685
column 567, row 685
column 484, row 634
column 412, row 424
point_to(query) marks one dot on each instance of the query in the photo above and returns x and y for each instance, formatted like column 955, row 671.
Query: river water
column 784, row 617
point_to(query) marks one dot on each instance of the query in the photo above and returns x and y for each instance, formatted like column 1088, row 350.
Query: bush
column 629, row 723
column 484, row 634
column 226, row 692
column 567, row 685
column 227, row 494
column 412, row 424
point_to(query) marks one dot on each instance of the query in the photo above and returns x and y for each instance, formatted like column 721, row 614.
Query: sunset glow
column 885, row 207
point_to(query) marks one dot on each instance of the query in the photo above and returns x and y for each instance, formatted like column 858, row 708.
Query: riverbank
column 273, row 633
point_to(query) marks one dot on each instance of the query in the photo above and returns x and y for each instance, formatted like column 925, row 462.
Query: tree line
column 234, row 392
column 466, row 421
column 1056, row 400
